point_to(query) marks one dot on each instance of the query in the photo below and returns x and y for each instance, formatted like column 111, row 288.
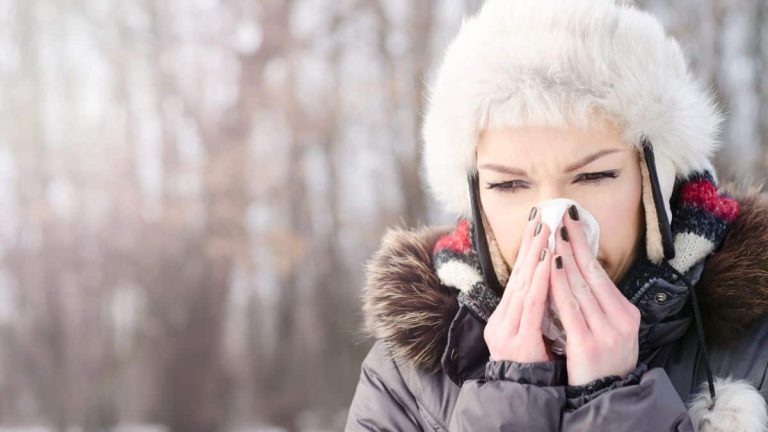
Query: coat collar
column 406, row 306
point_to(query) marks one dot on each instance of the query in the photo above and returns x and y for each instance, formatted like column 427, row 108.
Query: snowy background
column 189, row 190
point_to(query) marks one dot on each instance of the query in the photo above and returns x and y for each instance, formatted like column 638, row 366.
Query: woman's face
column 520, row 167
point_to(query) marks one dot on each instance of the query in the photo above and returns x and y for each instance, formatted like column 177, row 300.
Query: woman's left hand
column 600, row 323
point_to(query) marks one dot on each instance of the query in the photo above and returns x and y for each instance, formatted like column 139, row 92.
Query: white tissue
column 552, row 214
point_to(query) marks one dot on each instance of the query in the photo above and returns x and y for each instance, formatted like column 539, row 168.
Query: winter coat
column 429, row 367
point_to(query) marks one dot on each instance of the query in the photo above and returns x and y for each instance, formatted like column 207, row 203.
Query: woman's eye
column 592, row 178
column 596, row 177
column 508, row 186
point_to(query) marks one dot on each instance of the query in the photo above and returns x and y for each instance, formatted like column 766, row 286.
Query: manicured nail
column 559, row 262
column 564, row 233
column 543, row 254
column 538, row 229
column 573, row 213
column 532, row 214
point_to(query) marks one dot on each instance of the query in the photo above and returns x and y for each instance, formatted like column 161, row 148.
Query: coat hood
column 406, row 306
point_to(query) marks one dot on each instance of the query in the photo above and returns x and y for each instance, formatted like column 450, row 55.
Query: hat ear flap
column 658, row 175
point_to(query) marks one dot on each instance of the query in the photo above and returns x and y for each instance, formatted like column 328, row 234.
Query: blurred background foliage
column 189, row 190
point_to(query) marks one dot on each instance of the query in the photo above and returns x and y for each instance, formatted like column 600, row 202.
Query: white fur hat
column 552, row 62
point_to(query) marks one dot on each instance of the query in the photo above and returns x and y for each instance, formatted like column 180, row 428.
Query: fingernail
column 532, row 214
column 543, row 254
column 538, row 229
column 573, row 213
column 559, row 262
column 564, row 233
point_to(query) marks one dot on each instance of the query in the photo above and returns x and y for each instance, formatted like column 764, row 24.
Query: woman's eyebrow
column 572, row 167
column 504, row 169
column 590, row 158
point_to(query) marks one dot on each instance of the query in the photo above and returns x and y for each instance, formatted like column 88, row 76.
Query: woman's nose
column 552, row 191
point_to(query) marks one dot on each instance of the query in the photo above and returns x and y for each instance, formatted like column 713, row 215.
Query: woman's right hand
column 513, row 331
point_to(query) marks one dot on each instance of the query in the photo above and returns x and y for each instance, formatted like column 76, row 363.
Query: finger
column 514, row 281
column 520, row 280
column 527, row 237
column 568, row 308
column 523, row 280
column 511, row 290
column 608, row 296
column 593, row 313
column 533, row 255
column 536, row 297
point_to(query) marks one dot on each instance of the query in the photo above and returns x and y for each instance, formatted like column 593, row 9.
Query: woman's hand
column 601, row 324
column 513, row 331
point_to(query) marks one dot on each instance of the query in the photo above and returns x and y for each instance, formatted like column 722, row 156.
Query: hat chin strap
column 659, row 242
column 661, row 249
column 480, row 239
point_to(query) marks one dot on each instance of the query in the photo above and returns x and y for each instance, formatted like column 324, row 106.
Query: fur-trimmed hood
column 406, row 306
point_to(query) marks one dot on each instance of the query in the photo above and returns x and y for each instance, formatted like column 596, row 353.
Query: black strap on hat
column 669, row 252
column 699, row 331
column 480, row 239
column 665, row 229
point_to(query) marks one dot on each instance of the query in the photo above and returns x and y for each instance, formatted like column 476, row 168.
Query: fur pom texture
column 740, row 408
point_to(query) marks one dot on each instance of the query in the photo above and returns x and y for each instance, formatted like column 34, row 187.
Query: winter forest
column 189, row 191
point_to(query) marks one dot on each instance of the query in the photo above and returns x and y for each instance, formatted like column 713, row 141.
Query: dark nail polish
column 559, row 262
column 543, row 254
column 564, row 233
column 532, row 214
column 538, row 229
column 573, row 212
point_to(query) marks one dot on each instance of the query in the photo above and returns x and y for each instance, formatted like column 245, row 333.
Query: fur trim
column 406, row 306
column 733, row 289
column 740, row 408
column 555, row 63
column 403, row 301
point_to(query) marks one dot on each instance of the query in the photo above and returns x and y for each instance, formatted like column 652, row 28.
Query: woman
column 591, row 101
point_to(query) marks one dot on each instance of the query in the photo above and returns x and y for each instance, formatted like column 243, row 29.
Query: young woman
column 666, row 325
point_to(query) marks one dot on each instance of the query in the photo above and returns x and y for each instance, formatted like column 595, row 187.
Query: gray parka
column 429, row 368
